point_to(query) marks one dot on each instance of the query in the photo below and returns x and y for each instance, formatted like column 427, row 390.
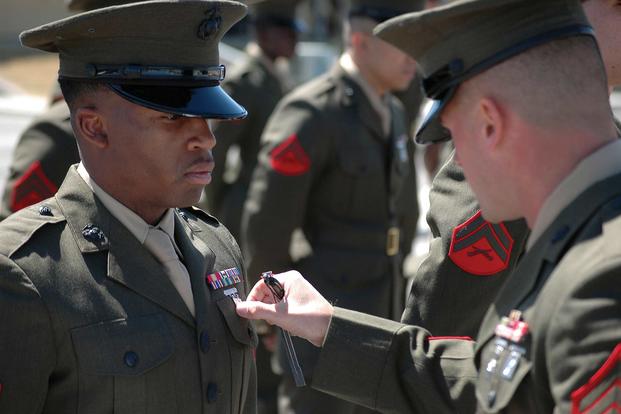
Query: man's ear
column 492, row 121
column 359, row 40
column 90, row 126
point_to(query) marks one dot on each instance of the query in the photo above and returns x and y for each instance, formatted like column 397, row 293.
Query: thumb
column 256, row 310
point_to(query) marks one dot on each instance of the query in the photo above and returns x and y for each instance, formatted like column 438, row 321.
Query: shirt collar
column 134, row 223
column 379, row 104
column 596, row 167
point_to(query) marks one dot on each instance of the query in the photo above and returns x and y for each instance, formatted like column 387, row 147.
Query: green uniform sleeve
column 409, row 199
column 584, row 343
column 40, row 162
column 27, row 350
column 294, row 148
column 394, row 368
column 445, row 298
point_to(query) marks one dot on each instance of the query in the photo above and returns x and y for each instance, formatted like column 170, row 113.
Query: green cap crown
column 457, row 41
column 160, row 54
column 134, row 41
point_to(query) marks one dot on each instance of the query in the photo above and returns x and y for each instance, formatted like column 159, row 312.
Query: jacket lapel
column 548, row 250
column 129, row 263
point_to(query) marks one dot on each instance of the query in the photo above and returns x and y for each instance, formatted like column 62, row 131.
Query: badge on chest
column 503, row 363
column 225, row 279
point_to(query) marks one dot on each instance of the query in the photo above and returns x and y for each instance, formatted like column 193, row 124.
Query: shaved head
column 560, row 83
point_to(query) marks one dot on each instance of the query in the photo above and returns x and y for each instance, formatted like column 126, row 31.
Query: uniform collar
column 380, row 104
column 134, row 223
column 596, row 167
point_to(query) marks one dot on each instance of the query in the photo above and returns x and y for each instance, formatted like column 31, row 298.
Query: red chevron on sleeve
column 289, row 158
column 602, row 393
column 481, row 248
column 32, row 187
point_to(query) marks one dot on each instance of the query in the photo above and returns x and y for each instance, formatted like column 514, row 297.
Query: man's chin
column 189, row 199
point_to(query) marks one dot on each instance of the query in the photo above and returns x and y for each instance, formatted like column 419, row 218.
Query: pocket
column 123, row 347
column 361, row 183
column 115, row 358
column 504, row 367
column 241, row 329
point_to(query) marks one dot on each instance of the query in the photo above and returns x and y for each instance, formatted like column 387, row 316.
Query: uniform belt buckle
column 392, row 241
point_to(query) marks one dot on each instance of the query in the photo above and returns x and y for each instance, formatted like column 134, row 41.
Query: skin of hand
column 303, row 312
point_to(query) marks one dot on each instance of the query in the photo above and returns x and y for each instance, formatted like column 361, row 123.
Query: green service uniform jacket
column 454, row 286
column 561, row 356
column 258, row 90
column 90, row 323
column 40, row 161
column 327, row 168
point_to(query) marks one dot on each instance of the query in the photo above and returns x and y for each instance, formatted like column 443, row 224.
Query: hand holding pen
column 278, row 293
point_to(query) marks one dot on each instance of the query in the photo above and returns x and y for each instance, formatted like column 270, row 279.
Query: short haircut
column 73, row 89
column 560, row 81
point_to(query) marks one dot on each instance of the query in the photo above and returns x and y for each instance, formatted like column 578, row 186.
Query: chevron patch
column 481, row 248
column 289, row 158
column 32, row 187
column 602, row 393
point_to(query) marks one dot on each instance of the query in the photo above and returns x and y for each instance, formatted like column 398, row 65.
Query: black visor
column 431, row 129
column 194, row 101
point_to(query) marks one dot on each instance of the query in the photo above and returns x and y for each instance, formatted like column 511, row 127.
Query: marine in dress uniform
column 258, row 86
column 46, row 149
column 551, row 340
column 452, row 278
column 337, row 163
column 101, row 309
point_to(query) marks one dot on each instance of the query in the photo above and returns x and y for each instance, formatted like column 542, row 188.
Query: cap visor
column 431, row 129
column 195, row 101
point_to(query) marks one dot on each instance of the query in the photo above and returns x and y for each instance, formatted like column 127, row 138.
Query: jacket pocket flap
column 241, row 329
column 123, row 347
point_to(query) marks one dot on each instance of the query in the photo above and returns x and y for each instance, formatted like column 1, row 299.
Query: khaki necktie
column 161, row 246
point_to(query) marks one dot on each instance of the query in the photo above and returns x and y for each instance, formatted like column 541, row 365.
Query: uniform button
column 205, row 342
column 212, row 392
column 45, row 211
column 131, row 359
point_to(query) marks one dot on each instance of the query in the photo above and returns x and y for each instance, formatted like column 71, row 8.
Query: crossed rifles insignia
column 481, row 248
